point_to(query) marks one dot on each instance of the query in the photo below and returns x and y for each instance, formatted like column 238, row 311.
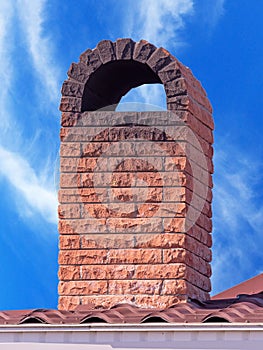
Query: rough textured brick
column 124, row 49
column 68, row 303
column 135, row 187
column 70, row 104
column 158, row 301
column 82, row 287
column 106, row 51
column 107, row 272
column 143, row 51
column 71, row 88
column 170, row 72
column 152, row 287
column 69, row 242
column 70, row 149
column 88, row 225
column 69, row 211
column 79, row 72
column 159, row 59
column 91, row 59
column 134, row 256
column 80, row 257
column 69, row 273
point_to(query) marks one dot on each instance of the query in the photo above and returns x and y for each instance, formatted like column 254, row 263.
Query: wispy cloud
column 39, row 44
column 159, row 22
column 33, row 187
column 238, row 217
column 36, row 191
column 6, row 71
column 210, row 12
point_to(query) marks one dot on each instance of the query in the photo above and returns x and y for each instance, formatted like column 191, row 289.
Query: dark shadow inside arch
column 111, row 81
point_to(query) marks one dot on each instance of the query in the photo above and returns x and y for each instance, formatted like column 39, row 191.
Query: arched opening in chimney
column 146, row 97
column 111, row 81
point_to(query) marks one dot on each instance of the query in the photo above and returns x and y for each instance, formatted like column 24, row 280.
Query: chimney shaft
column 135, row 187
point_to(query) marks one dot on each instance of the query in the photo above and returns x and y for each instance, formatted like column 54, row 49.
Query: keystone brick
column 124, row 49
column 142, row 51
column 106, row 51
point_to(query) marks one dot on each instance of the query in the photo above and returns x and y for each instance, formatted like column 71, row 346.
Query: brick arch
column 90, row 84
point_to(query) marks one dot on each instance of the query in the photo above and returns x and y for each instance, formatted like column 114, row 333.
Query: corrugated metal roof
column 244, row 308
column 250, row 286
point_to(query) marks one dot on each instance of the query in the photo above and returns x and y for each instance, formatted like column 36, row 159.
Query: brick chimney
column 135, row 187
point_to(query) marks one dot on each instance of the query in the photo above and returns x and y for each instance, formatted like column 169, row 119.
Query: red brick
column 82, row 226
column 142, row 51
column 68, row 303
column 170, row 287
column 82, row 257
column 79, row 72
column 160, row 271
column 71, row 88
column 180, row 255
column 91, row 59
column 69, row 118
column 170, row 72
column 69, row 211
column 70, row 104
column 107, row 301
column 70, row 149
column 159, row 59
column 124, row 49
column 69, row 180
column 106, row 51
column 107, row 272
column 158, row 301
column 134, row 256
column 69, row 273
column 135, row 287
column 192, row 115
column 82, row 287
column 134, row 225
column 103, row 241
column 69, row 242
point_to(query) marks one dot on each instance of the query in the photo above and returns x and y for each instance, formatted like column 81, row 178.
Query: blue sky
column 220, row 40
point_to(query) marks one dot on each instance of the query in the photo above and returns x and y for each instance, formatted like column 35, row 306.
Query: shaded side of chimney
column 136, row 187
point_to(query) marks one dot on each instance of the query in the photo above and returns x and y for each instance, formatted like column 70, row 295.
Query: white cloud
column 36, row 192
column 159, row 22
column 31, row 15
column 6, row 71
column 237, row 217
column 210, row 12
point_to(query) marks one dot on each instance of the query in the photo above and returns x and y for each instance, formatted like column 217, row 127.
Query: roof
column 244, row 308
column 250, row 286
